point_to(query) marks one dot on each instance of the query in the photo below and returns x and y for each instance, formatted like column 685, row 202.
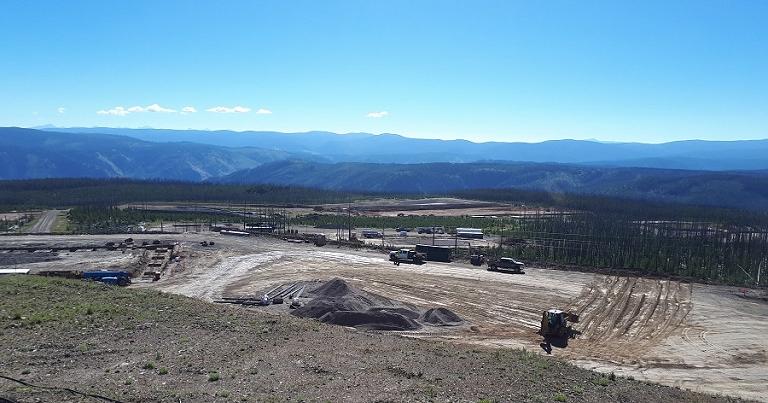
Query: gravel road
column 44, row 223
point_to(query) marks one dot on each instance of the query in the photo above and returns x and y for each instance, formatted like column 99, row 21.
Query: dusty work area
column 132, row 345
column 705, row 338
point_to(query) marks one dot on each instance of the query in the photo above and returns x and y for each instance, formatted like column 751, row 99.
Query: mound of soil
column 334, row 288
column 337, row 303
column 441, row 317
column 408, row 313
column 376, row 320
column 318, row 307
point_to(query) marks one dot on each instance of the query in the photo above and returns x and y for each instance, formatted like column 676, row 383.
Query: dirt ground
column 703, row 338
column 73, row 341
column 378, row 207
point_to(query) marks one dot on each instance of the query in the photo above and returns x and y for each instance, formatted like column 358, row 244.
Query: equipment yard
column 699, row 337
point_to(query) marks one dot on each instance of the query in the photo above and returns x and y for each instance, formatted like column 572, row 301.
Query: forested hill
column 27, row 153
column 728, row 189
column 394, row 148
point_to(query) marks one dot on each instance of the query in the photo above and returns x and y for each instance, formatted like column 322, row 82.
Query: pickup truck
column 506, row 265
column 406, row 256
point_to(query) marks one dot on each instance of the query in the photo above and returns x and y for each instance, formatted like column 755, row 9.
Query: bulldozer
column 555, row 327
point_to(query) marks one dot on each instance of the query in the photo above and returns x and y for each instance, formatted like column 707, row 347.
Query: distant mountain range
column 392, row 148
column 402, row 165
column 27, row 153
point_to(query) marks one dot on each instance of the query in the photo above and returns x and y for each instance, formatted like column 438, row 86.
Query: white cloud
column 61, row 109
column 122, row 111
column 116, row 111
column 377, row 114
column 263, row 111
column 158, row 109
column 188, row 109
column 224, row 109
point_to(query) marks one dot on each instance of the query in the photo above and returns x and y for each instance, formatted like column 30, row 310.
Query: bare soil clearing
column 135, row 345
column 706, row 338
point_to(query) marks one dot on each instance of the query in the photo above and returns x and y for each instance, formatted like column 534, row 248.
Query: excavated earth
column 699, row 337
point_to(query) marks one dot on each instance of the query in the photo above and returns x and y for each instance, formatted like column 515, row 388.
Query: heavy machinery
column 477, row 259
column 406, row 256
column 319, row 239
column 554, row 324
column 506, row 265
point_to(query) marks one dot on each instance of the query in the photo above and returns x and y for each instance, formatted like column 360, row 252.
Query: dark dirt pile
column 337, row 303
column 441, row 317
column 376, row 320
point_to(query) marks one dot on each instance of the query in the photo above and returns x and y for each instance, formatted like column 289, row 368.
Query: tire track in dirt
column 622, row 316
column 210, row 284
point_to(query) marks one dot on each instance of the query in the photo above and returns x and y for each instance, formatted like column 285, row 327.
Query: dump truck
column 506, row 265
column 406, row 256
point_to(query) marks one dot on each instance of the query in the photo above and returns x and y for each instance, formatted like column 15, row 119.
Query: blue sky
column 482, row 70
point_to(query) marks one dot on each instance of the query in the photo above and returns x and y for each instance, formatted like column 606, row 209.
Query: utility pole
column 501, row 238
column 456, row 242
column 349, row 221
column 245, row 209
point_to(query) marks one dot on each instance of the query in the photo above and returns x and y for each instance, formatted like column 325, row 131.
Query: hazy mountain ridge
column 27, row 153
column 732, row 189
column 393, row 148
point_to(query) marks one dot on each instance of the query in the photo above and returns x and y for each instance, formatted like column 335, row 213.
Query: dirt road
column 44, row 223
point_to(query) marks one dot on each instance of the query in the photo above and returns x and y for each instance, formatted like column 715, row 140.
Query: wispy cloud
column 263, row 111
column 188, row 109
column 122, row 111
column 377, row 115
column 158, row 109
column 224, row 109
column 61, row 110
column 116, row 111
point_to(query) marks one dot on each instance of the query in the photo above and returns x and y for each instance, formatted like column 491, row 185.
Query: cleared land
column 44, row 223
column 141, row 345
column 706, row 338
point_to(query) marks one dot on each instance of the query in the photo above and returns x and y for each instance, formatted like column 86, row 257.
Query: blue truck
column 121, row 278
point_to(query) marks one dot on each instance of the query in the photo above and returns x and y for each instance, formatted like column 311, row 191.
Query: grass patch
column 61, row 225
column 213, row 376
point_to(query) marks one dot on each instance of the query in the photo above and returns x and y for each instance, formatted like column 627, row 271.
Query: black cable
column 77, row 392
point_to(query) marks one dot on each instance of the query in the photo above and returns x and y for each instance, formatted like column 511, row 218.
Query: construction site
column 705, row 338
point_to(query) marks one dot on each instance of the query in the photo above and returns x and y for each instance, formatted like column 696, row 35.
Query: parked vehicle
column 435, row 253
column 121, row 278
column 406, row 256
column 506, row 265
column 367, row 233
column 430, row 230
column 477, row 260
